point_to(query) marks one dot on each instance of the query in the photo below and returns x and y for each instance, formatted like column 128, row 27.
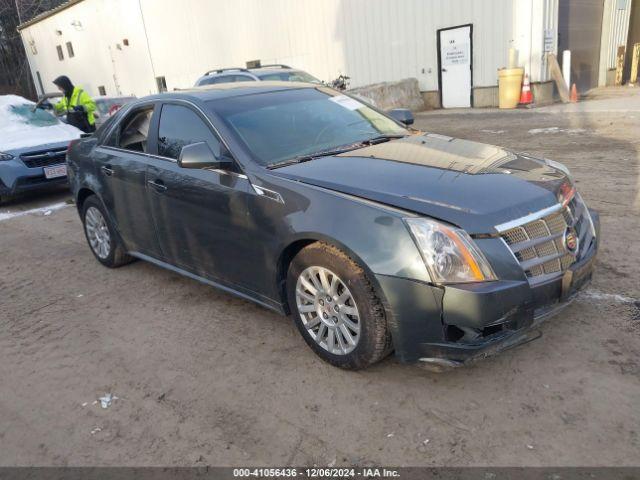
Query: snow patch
column 608, row 297
column 570, row 131
column 43, row 210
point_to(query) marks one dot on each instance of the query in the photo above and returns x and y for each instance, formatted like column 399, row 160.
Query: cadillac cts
column 373, row 236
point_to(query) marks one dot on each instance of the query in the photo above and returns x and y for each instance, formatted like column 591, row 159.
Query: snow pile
column 16, row 133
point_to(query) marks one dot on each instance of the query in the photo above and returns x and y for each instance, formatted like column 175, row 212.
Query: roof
column 261, row 68
column 235, row 89
column 48, row 13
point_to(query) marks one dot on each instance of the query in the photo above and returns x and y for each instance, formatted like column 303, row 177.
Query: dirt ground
column 205, row 378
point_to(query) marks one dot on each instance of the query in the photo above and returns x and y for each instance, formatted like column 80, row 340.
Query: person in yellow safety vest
column 76, row 104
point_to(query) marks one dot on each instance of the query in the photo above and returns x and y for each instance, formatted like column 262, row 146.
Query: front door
column 121, row 169
column 200, row 214
column 454, row 57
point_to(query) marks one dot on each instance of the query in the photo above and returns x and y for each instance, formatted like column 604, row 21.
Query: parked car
column 33, row 145
column 107, row 106
column 275, row 72
column 374, row 237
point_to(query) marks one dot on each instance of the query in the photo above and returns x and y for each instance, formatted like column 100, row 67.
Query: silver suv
column 276, row 72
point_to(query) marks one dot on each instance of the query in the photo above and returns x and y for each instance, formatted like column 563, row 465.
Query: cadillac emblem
column 571, row 241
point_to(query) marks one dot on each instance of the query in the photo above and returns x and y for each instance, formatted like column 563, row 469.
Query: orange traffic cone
column 526, row 97
column 574, row 93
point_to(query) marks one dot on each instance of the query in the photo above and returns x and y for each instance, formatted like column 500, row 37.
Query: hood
column 469, row 184
column 22, row 129
column 21, row 140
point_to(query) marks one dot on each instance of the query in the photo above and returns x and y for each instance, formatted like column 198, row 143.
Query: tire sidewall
column 94, row 202
column 355, row 280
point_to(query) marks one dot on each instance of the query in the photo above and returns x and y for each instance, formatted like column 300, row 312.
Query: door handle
column 444, row 69
column 107, row 170
column 158, row 185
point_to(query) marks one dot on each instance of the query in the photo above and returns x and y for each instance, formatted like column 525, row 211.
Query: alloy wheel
column 328, row 310
column 97, row 232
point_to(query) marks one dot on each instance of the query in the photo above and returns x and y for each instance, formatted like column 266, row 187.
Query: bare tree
column 14, row 68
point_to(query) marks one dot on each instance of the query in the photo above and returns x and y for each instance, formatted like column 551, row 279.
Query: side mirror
column 402, row 115
column 199, row 155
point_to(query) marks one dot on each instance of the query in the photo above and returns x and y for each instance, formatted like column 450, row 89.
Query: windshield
column 288, row 76
column 39, row 118
column 281, row 125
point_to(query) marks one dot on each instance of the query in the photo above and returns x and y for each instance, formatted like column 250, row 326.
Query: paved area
column 204, row 378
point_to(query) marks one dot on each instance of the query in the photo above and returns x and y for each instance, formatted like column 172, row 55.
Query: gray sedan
column 372, row 236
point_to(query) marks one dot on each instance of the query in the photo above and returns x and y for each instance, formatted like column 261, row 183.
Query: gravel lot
column 205, row 378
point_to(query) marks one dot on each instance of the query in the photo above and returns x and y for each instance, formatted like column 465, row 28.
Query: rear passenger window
column 180, row 126
column 135, row 130
column 242, row 78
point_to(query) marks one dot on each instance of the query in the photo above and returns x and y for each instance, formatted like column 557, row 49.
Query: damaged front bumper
column 444, row 327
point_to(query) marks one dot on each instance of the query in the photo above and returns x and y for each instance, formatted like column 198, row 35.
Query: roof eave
column 47, row 14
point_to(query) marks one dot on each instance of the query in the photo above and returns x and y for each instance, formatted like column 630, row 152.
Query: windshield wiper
column 326, row 153
column 313, row 156
column 381, row 139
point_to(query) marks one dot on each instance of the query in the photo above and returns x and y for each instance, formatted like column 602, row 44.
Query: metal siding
column 615, row 28
column 369, row 40
column 619, row 30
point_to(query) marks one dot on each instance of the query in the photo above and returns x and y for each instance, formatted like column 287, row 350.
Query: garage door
column 579, row 30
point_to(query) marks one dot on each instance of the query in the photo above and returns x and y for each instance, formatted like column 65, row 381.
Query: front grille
column 44, row 158
column 539, row 244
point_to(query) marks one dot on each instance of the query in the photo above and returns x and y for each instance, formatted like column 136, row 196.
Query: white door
column 455, row 67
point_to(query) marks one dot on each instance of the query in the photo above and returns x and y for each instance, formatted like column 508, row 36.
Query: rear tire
column 336, row 309
column 104, row 242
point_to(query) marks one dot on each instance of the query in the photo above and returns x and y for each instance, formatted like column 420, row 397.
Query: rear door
column 121, row 168
column 200, row 214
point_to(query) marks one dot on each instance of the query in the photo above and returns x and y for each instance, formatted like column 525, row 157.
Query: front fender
column 371, row 234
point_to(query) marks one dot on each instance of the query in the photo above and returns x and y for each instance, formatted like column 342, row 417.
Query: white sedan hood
column 16, row 134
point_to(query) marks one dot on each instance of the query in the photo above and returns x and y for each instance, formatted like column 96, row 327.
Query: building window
column 60, row 54
column 70, row 50
column 102, row 91
column 162, row 84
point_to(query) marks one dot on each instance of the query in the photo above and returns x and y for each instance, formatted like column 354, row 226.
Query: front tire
column 336, row 309
column 103, row 241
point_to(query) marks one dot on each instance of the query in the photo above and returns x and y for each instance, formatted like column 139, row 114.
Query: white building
column 121, row 47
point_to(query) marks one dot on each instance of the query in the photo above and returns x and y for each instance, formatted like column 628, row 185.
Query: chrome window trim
column 160, row 157
column 173, row 160
column 129, row 107
column 503, row 227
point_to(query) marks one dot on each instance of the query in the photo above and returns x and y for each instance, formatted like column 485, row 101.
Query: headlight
column 587, row 214
column 5, row 156
column 449, row 253
column 558, row 166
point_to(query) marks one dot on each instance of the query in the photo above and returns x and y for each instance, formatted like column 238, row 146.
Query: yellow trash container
column 509, row 86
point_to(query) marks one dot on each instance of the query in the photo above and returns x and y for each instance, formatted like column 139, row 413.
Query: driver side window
column 133, row 131
column 180, row 126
